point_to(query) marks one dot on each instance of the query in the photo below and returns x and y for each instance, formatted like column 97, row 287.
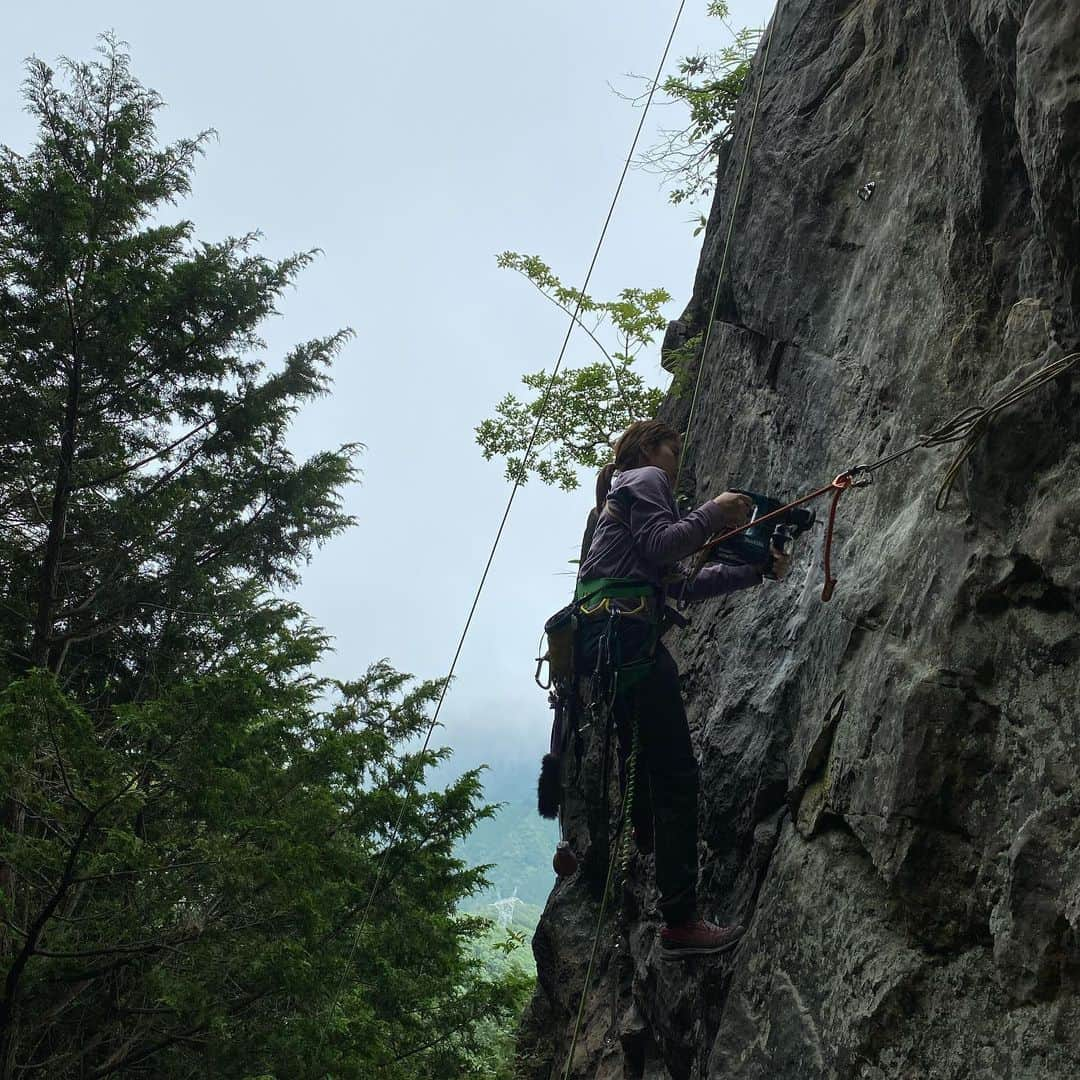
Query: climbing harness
column 628, row 603
column 619, row 628
column 541, row 412
column 612, row 603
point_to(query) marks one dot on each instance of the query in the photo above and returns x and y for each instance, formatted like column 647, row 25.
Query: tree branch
column 577, row 319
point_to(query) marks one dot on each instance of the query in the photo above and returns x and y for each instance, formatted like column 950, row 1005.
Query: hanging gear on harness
column 561, row 633
column 598, row 647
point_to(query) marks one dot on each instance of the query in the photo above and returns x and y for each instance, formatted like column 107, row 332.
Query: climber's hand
column 736, row 508
column 781, row 563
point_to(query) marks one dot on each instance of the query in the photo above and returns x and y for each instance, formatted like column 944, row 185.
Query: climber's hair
column 634, row 443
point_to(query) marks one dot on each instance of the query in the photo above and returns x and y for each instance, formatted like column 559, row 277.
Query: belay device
column 752, row 547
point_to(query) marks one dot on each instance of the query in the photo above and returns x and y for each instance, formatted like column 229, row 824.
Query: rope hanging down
column 509, row 503
column 623, row 814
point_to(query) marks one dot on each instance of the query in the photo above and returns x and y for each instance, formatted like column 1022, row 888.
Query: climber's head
column 644, row 442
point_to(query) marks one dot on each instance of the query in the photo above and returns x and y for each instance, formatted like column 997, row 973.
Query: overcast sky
column 412, row 142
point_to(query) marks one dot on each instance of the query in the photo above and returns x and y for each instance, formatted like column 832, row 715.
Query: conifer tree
column 193, row 824
column 145, row 483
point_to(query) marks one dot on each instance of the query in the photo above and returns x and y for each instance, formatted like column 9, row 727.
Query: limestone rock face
column 890, row 781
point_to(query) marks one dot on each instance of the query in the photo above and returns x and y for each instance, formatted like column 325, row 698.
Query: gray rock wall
column 891, row 781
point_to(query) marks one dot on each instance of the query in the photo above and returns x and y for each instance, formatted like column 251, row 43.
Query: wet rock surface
column 891, row 781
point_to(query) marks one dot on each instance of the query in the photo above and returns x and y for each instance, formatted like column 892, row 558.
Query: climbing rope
column 727, row 243
column 574, row 320
column 968, row 426
column 628, row 808
column 622, row 836
column 596, row 942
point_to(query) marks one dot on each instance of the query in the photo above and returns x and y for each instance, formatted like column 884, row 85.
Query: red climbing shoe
column 697, row 938
column 565, row 861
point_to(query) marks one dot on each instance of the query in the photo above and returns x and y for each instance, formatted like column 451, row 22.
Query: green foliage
column 708, row 85
column 506, row 956
column 193, row 824
column 680, row 362
column 146, row 490
column 582, row 410
column 514, row 940
column 196, row 868
column 516, row 845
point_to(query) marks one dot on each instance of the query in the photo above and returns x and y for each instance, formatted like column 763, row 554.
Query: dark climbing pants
column 666, row 786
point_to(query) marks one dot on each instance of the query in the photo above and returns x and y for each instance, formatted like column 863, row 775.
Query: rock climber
column 630, row 565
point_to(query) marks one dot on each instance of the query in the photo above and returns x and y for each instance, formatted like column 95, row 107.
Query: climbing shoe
column 565, row 861
column 697, row 938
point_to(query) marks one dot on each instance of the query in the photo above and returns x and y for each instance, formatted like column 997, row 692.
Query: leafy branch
column 709, row 85
column 577, row 415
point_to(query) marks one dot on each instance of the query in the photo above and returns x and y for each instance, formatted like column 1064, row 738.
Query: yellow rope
column 596, row 943
column 628, row 808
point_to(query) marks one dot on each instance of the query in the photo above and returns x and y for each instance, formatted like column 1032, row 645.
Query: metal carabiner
column 860, row 475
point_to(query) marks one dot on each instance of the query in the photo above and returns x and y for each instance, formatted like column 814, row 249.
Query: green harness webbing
column 592, row 595
column 611, row 588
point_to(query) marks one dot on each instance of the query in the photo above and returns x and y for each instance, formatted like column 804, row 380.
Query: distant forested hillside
column 516, row 840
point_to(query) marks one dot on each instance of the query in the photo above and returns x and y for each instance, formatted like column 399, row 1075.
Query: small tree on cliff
column 578, row 415
column 708, row 85
column 587, row 407
column 189, row 831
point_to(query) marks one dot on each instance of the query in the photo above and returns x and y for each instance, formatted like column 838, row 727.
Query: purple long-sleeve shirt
column 645, row 538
